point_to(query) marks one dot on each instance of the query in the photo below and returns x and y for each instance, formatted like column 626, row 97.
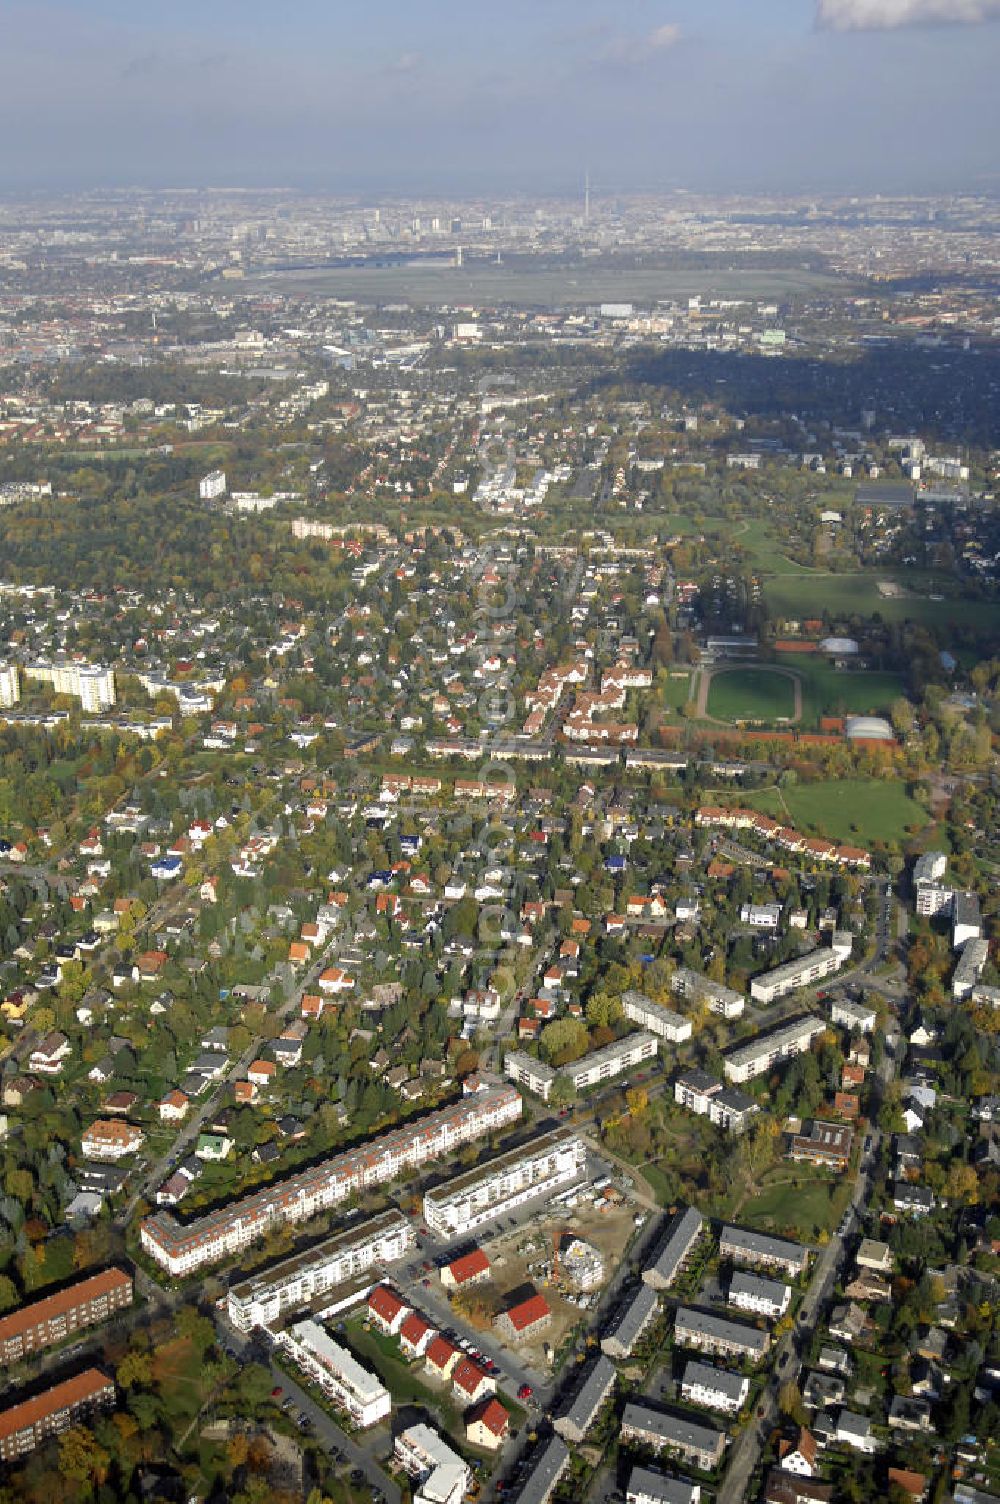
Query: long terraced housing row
column 182, row 1248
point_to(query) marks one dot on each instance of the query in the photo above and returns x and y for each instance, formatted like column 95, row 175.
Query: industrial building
column 494, row 1189
column 760, row 1054
column 641, row 1010
column 287, row 1286
column 760, row 1251
column 44, row 1322
column 680, row 1236
column 181, row 1248
column 803, row 971
column 337, row 1373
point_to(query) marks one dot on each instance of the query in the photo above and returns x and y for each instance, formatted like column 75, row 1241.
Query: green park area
column 796, row 592
column 751, row 694
column 677, row 689
column 827, row 690
column 799, row 1202
column 857, row 811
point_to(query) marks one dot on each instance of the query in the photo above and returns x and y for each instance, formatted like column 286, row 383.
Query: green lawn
column 750, row 694
column 830, row 691
column 800, row 1204
column 677, row 691
column 857, row 811
column 804, row 593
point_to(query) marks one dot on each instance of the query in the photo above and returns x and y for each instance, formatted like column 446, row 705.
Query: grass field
column 806, row 593
column 801, row 1205
column 677, row 691
column 857, row 811
column 750, row 694
column 830, row 691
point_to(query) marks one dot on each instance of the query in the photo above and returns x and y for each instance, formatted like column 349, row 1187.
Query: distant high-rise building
column 212, row 485
column 10, row 685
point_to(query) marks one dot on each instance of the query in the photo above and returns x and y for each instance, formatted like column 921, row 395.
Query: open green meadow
column 857, row 811
column 751, row 694
column 808, row 592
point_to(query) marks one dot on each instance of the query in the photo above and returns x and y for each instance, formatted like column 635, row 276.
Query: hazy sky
column 501, row 94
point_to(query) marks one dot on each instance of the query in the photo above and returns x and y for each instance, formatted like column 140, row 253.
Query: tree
column 563, row 1092
column 564, row 1039
column 8, row 1293
column 81, row 1458
column 135, row 1370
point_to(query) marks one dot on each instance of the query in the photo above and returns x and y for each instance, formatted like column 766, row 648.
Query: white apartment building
column 930, row 867
column 294, row 1282
column 714, row 1388
column 10, row 685
column 969, row 968
column 757, row 1248
column 804, row 971
column 858, row 1017
column 700, row 989
column 337, row 1373
column 933, row 898
column 442, row 1475
column 761, row 916
column 531, row 1074
column 716, row 1334
column 492, row 1190
column 640, row 1009
column 760, row 1054
column 212, row 485
column 90, row 683
column 759, row 1296
column 646, row 1486
column 612, row 1060
column 183, row 1247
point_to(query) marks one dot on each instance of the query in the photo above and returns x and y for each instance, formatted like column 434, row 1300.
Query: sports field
column 807, row 593
column 751, row 694
column 830, row 691
column 858, row 811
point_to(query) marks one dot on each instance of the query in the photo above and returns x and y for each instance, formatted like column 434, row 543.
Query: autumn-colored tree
column 81, row 1458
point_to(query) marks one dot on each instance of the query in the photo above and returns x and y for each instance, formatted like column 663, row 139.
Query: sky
column 501, row 96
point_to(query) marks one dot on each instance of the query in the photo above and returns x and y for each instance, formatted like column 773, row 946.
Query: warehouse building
column 44, row 1322
column 26, row 1426
column 294, row 1282
column 337, row 1373
column 629, row 1322
column 698, row 1444
column 181, row 1248
column 719, row 1336
column 763, row 1252
column 494, row 1189
column 803, row 971
column 681, row 1234
column 641, row 1010
column 767, row 1050
column 576, row 1419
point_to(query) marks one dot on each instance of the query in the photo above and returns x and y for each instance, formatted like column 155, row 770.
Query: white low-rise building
column 803, row 971
column 715, row 1388
column 441, row 1475
column 481, row 1195
column 640, row 1009
column 531, row 1074
column 760, row 1296
column 287, row 1286
column 337, row 1373
column 610, row 1061
column 713, row 995
column 760, row 1054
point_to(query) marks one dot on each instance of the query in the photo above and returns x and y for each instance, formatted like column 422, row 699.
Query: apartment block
column 758, row 1295
column 337, row 1373
column 712, row 995
column 696, row 1443
column 612, row 1060
column 719, row 1336
column 767, row 1050
column 294, row 1282
column 803, row 971
column 182, row 1247
column 441, row 1475
column 647, row 1486
column 714, row 1388
column 671, row 1251
column 530, row 1074
column 629, row 1321
column 760, row 1251
column 492, row 1190
column 641, row 1010
column 577, row 1417
column 44, row 1322
column 26, row 1426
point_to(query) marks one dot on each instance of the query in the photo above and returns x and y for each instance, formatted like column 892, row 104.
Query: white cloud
column 889, row 15
column 631, row 51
